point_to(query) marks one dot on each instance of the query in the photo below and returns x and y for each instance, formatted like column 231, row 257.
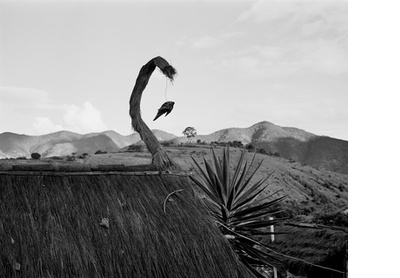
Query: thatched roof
column 316, row 244
column 72, row 224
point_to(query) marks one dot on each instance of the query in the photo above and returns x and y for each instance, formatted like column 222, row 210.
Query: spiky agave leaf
column 235, row 204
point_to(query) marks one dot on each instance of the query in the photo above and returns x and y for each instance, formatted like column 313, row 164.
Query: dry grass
column 51, row 228
column 307, row 188
column 323, row 246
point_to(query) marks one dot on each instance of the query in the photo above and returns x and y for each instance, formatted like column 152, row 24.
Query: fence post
column 272, row 240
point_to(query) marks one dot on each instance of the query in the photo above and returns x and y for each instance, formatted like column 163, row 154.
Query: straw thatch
column 115, row 225
column 321, row 250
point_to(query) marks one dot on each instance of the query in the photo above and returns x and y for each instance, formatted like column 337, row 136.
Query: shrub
column 71, row 158
column 331, row 218
column 56, row 158
column 135, row 148
column 35, row 156
column 83, row 156
column 262, row 151
column 233, row 202
column 166, row 143
column 250, row 147
column 235, row 144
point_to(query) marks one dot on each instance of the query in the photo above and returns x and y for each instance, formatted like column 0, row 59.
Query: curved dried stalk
column 166, row 199
column 160, row 157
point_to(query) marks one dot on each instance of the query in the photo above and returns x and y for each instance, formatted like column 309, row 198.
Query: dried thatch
column 78, row 225
column 320, row 246
column 160, row 157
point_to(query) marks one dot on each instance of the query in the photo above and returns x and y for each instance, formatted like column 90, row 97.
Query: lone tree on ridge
column 190, row 132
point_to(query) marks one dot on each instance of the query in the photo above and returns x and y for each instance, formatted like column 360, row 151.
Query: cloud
column 25, row 98
column 34, row 111
column 78, row 119
column 291, row 10
column 327, row 57
column 267, row 10
column 296, row 37
column 208, row 42
column 83, row 119
column 299, row 18
column 247, row 62
column 43, row 125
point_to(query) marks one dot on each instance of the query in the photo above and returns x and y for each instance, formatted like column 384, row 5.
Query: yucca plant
column 235, row 203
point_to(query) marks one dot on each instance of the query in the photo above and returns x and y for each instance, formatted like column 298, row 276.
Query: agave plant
column 235, row 203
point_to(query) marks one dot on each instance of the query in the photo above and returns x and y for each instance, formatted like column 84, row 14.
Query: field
column 309, row 190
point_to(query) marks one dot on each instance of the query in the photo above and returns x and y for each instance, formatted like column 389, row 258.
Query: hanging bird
column 165, row 108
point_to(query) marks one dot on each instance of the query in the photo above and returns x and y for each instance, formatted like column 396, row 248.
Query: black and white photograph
column 172, row 138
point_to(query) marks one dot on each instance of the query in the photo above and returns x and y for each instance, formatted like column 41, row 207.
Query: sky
column 71, row 65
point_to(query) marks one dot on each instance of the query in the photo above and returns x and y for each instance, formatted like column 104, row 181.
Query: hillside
column 308, row 189
column 260, row 132
column 288, row 142
column 319, row 152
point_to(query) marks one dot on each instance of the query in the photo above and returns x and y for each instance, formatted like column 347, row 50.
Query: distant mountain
column 65, row 142
column 260, row 132
column 291, row 143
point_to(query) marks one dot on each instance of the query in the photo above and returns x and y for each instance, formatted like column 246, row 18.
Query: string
column 166, row 85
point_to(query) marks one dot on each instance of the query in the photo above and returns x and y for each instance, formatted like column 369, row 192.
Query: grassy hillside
column 328, row 153
column 290, row 143
column 320, row 152
column 309, row 190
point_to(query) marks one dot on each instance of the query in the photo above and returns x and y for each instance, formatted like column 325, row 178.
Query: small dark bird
column 165, row 108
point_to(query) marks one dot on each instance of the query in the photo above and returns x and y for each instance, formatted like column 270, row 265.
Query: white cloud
column 37, row 113
column 289, row 56
column 208, row 42
column 267, row 10
column 83, row 119
column 295, row 37
column 300, row 17
column 25, row 98
column 43, row 125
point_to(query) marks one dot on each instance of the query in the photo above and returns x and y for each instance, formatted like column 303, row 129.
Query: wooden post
column 272, row 240
column 272, row 230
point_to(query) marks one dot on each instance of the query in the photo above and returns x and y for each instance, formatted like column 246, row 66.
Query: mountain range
column 291, row 143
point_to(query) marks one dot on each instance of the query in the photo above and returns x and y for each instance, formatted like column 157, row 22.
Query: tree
column 250, row 147
column 190, row 132
column 263, row 151
column 160, row 158
column 35, row 156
